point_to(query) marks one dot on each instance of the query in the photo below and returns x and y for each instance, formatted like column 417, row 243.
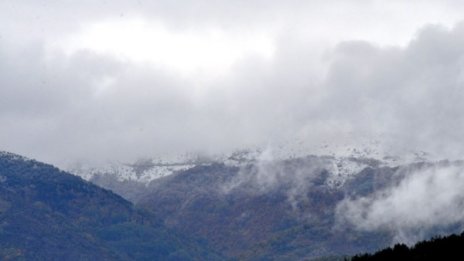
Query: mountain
column 48, row 214
column 283, row 209
column 289, row 214
column 287, row 205
column 342, row 160
column 132, row 179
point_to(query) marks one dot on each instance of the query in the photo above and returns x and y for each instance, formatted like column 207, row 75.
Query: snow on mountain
column 140, row 171
column 342, row 161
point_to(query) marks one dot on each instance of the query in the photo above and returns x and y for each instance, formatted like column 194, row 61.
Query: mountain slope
column 291, row 209
column 47, row 214
column 290, row 216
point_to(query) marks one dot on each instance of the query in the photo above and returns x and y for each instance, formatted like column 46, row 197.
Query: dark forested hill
column 438, row 248
column 47, row 214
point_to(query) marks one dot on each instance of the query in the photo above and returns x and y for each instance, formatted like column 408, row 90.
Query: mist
column 427, row 200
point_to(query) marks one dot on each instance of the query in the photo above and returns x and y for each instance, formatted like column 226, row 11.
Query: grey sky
column 119, row 80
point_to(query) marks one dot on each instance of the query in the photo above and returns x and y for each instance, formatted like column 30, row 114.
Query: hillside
column 291, row 209
column 47, row 214
column 289, row 217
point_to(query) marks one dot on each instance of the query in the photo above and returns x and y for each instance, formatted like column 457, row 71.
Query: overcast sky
column 118, row 80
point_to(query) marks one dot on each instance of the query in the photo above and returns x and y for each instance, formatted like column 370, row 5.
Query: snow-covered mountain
column 341, row 162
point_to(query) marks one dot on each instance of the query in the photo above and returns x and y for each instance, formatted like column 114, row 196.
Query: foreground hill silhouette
column 47, row 214
column 438, row 248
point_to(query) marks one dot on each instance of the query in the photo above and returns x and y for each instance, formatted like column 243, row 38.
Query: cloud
column 324, row 20
column 429, row 197
column 91, row 105
column 413, row 93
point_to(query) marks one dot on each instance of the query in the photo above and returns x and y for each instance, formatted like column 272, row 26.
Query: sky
column 119, row 80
